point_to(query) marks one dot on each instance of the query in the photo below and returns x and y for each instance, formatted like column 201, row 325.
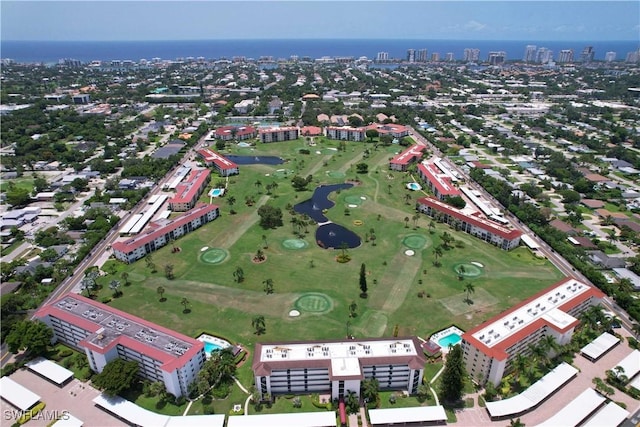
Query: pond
column 327, row 235
column 254, row 160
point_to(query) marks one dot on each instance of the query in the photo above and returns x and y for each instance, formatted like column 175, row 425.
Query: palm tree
column 125, row 276
column 168, row 271
column 516, row 423
column 259, row 255
column 264, row 242
column 432, row 226
column 519, row 364
column 352, row 309
column 406, row 222
column 469, row 289
column 550, row 344
column 369, row 390
column 407, row 198
column 259, row 325
column 415, row 219
column 238, row 275
column 437, row 253
column 352, row 402
column 114, row 285
column 268, row 286
column 258, row 184
column 185, row 302
column 88, row 284
column 160, row 291
column 389, row 188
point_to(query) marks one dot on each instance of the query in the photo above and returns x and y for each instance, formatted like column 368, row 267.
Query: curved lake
column 328, row 235
column 254, row 160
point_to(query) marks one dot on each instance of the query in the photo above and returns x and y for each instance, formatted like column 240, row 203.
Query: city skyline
column 310, row 19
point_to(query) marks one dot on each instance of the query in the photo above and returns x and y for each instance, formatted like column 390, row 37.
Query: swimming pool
column 450, row 336
column 451, row 339
column 212, row 343
column 414, row 186
column 216, row 192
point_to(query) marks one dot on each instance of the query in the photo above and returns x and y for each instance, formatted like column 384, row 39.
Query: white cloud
column 475, row 26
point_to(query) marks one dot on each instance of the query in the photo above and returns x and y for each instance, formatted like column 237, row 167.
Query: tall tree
column 238, row 274
column 114, row 285
column 32, row 336
column 268, row 286
column 259, row 325
column 469, row 289
column 453, row 377
column 369, row 390
column 363, row 281
column 160, row 291
column 185, row 303
column 125, row 276
column 116, row 377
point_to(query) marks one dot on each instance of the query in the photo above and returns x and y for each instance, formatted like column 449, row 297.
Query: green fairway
column 407, row 291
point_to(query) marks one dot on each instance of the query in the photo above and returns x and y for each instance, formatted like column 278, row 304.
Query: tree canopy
column 34, row 336
column 116, row 377
column 453, row 377
column 270, row 216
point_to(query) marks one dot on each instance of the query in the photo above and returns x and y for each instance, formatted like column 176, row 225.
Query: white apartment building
column 278, row 134
column 161, row 232
column 490, row 348
column 104, row 333
column 338, row 366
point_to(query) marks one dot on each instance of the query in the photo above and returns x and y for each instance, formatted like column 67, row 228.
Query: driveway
column 75, row 397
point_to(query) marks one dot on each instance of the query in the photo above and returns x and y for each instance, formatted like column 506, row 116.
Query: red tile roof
column 413, row 152
column 188, row 190
column 441, row 183
column 490, row 226
column 170, row 362
column 498, row 351
column 219, row 160
column 158, row 230
column 240, row 130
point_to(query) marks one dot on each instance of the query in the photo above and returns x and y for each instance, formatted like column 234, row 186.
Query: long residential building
column 278, row 134
column 104, row 334
column 240, row 133
column 338, row 366
column 402, row 161
column 439, row 183
column 348, row 133
column 224, row 166
column 188, row 192
column 490, row 348
column 161, row 232
column 500, row 236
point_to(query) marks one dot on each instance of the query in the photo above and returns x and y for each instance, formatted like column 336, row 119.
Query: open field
column 223, row 307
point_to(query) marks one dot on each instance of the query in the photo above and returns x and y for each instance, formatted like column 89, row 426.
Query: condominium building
column 411, row 155
column 411, row 55
column 471, row 55
column 438, row 181
column 588, row 54
column 278, row 134
column 228, row 133
column 338, row 366
column 104, row 333
column 502, row 237
column 382, row 57
column 224, row 166
column 529, row 53
column 490, row 348
column 565, row 55
column 346, row 133
column 188, row 192
column 544, row 55
column 422, row 55
column 395, row 130
column 610, row 56
column 161, row 232
column 497, row 58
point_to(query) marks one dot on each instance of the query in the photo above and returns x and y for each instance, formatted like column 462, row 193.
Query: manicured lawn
column 221, row 306
column 25, row 182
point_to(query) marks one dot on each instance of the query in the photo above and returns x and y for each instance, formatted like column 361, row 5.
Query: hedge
column 31, row 412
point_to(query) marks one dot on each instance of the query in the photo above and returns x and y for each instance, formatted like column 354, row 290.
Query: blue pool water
column 209, row 347
column 414, row 186
column 451, row 339
column 215, row 192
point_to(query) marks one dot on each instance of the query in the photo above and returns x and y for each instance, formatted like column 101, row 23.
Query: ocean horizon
column 50, row 52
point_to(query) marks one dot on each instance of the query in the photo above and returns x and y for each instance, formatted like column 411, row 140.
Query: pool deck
column 213, row 340
column 435, row 338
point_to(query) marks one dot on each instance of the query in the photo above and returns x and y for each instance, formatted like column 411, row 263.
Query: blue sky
column 212, row 19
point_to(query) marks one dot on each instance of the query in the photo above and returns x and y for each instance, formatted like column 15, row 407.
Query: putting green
column 282, row 173
column 328, row 151
column 336, row 174
column 353, row 200
column 136, row 277
column 294, row 244
column 313, row 302
column 467, row 270
column 214, row 256
column 416, row 241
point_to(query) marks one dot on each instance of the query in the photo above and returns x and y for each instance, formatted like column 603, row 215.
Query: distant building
column 422, row 55
column 240, row 133
column 471, row 55
column 529, row 53
column 104, row 334
column 411, row 155
column 82, row 98
column 565, row 56
column 188, row 192
column 160, row 233
column 544, row 55
column 497, row 57
column 449, row 57
column 278, row 134
column 587, row 55
column 382, row 57
column 224, row 166
column 338, row 367
column 490, row 348
column 502, row 237
column 439, row 183
column 411, row 55
column 345, row 133
column 610, row 56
